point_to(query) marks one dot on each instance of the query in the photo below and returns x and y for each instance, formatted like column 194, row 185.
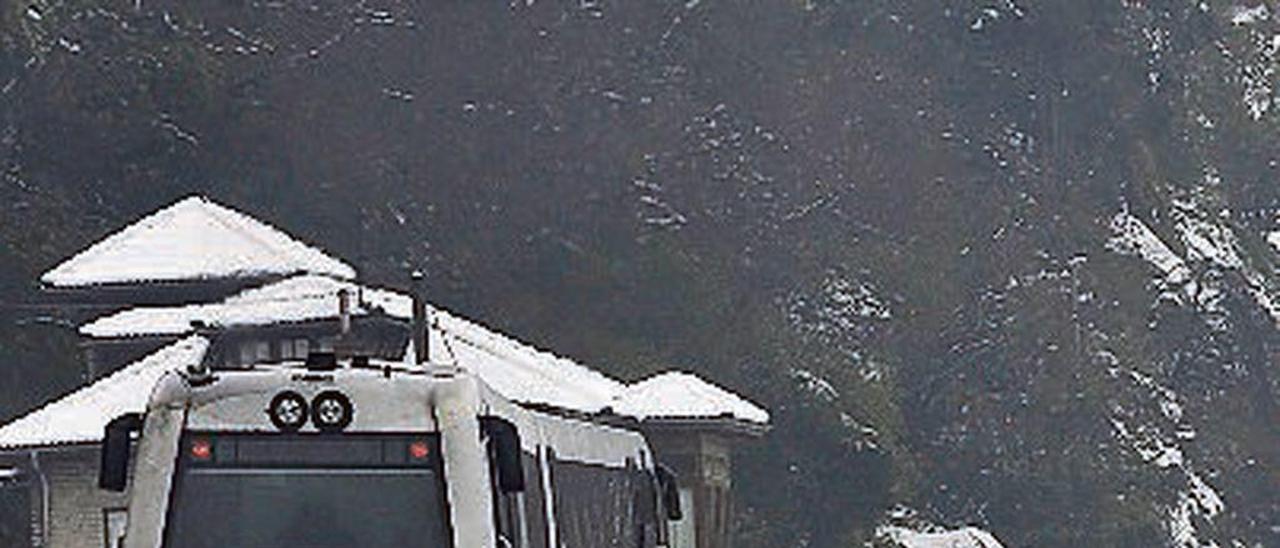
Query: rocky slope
column 1010, row 264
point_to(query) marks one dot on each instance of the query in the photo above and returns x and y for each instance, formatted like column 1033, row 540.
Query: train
column 339, row 451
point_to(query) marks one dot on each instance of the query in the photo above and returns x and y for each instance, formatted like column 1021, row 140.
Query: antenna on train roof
column 421, row 337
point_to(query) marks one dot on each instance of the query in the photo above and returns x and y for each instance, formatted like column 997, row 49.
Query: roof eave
column 57, row 446
column 722, row 423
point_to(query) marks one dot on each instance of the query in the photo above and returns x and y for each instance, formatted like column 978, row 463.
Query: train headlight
column 288, row 411
column 331, row 411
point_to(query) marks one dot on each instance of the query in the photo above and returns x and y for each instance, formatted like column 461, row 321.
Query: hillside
column 1006, row 264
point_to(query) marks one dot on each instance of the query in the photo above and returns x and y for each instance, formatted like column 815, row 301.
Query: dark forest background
column 892, row 223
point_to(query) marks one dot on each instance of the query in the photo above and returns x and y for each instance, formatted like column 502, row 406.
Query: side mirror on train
column 117, row 443
column 504, row 450
column 670, row 490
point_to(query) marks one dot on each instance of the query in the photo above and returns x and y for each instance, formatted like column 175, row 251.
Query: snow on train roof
column 684, row 395
column 81, row 416
column 193, row 239
column 516, row 370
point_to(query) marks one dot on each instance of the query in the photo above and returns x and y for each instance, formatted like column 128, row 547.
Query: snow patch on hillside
column 1160, row 444
column 1131, row 236
column 815, row 384
column 905, row 529
column 968, row 537
column 843, row 305
column 1210, row 244
column 1246, row 15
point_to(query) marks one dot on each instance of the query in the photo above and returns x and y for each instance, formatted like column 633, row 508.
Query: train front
column 322, row 457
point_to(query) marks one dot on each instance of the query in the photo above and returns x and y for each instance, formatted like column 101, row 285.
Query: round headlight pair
column 330, row 411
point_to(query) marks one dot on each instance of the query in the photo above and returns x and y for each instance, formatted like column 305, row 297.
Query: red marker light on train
column 419, row 450
column 201, row 449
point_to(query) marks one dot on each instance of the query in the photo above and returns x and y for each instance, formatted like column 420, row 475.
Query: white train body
column 376, row 456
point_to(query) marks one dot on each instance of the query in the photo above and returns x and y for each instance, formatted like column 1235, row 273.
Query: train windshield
column 268, row 492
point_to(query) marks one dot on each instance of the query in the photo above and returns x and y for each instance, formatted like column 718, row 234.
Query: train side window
column 252, row 352
column 247, row 353
column 293, row 349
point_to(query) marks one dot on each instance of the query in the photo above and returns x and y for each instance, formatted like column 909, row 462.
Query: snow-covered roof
column 193, row 239
column 297, row 299
column 520, row 372
column 81, row 416
column 968, row 537
column 516, row 370
column 679, row 395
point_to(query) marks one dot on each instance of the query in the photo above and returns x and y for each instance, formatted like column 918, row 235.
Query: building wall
column 15, row 514
column 78, row 509
column 702, row 461
column 103, row 357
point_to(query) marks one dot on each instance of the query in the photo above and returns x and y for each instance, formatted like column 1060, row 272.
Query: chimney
column 344, row 312
column 342, row 348
column 421, row 334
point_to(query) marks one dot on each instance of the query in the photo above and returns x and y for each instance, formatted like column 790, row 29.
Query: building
column 199, row 283
column 192, row 251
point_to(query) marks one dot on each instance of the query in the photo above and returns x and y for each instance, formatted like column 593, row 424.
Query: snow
column 816, row 384
column 1198, row 502
column 683, row 395
column 196, row 238
column 1205, row 496
column 193, row 239
column 1245, row 15
column 81, row 416
column 968, row 537
column 1202, row 501
column 1210, row 242
column 1205, row 242
column 515, row 370
column 1274, row 239
column 518, row 371
column 298, row 299
column 1130, row 236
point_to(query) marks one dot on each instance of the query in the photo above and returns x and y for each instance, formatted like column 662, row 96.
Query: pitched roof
column 81, row 416
column 516, row 370
column 193, row 239
column 297, row 299
column 679, row 395
column 519, row 372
